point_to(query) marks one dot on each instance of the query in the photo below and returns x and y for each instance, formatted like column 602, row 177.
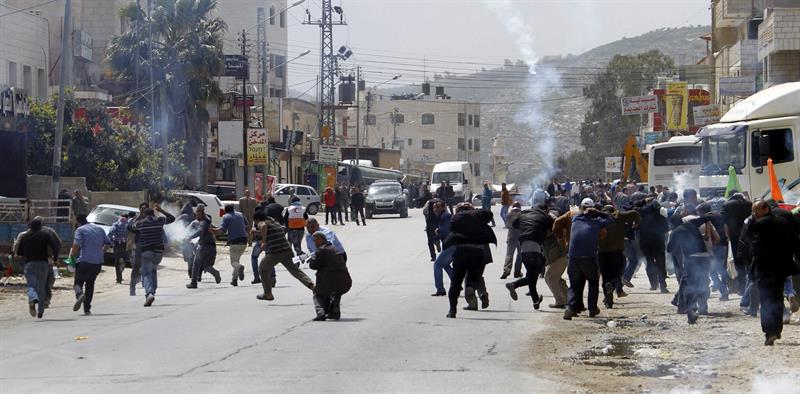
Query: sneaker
column 627, row 283
column 538, row 303
column 32, row 308
column 319, row 318
column 78, row 303
column 149, row 300
column 191, row 285
column 512, row 291
column 484, row 300
column 265, row 297
column 451, row 315
column 569, row 314
column 439, row 294
column 505, row 275
column 621, row 294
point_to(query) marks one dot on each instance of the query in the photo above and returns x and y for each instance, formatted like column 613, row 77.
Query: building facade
column 24, row 58
column 425, row 131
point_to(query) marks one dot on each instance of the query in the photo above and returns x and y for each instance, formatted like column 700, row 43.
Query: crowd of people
column 599, row 234
column 140, row 240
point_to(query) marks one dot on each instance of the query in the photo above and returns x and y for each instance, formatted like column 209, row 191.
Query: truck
column 763, row 126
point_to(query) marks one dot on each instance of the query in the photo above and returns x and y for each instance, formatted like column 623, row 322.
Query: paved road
column 393, row 336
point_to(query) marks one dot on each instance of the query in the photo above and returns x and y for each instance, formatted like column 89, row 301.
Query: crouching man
column 333, row 279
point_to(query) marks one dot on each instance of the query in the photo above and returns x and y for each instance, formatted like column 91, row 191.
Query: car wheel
column 312, row 209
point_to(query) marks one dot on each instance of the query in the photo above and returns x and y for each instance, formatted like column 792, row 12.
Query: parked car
column 224, row 192
column 308, row 196
column 214, row 207
column 386, row 197
column 105, row 215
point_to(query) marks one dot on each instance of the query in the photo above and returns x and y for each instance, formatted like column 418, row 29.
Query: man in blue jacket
column 582, row 266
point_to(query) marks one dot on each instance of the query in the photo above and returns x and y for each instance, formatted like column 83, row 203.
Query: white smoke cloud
column 542, row 83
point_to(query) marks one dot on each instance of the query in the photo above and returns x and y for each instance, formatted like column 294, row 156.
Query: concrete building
column 24, row 59
column 244, row 15
column 425, row 131
column 755, row 44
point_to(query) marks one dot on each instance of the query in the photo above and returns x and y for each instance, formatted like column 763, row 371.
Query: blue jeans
column 788, row 288
column 254, row 262
column 442, row 263
column 504, row 213
column 36, row 276
column 633, row 254
column 150, row 262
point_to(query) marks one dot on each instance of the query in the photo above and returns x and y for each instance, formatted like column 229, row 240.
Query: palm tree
column 186, row 56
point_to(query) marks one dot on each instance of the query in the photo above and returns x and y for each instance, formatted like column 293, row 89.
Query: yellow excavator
column 631, row 156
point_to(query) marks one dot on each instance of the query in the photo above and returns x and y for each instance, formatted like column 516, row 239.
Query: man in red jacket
column 329, row 198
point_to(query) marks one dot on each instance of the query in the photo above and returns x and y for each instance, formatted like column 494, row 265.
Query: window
column 398, row 118
column 462, row 144
column 370, row 120
column 27, row 80
column 401, row 144
column 12, row 74
column 428, row 119
column 469, row 144
column 410, row 142
column 303, row 191
column 286, row 191
column 477, row 145
column 470, row 120
column 428, row 144
column 272, row 16
column 279, row 65
column 774, row 144
column 283, row 19
column 41, row 84
column 477, row 121
column 462, row 119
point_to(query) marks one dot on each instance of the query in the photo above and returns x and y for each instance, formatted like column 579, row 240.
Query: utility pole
column 137, row 60
column 395, row 122
column 265, row 63
column 366, row 121
column 245, row 116
column 152, row 78
column 64, row 79
column 358, row 112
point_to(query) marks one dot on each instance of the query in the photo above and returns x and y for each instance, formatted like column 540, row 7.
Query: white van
column 763, row 126
column 675, row 164
column 458, row 174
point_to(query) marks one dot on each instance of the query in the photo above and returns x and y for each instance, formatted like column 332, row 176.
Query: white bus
column 675, row 164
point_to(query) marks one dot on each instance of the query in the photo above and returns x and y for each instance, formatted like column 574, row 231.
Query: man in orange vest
column 295, row 217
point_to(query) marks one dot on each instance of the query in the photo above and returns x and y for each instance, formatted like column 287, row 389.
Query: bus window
column 774, row 144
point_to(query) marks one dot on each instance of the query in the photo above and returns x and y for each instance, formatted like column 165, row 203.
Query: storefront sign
column 639, row 105
column 677, row 99
column 257, row 147
column 706, row 114
column 614, row 164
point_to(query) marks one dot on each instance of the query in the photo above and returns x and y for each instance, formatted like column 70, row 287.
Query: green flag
column 733, row 182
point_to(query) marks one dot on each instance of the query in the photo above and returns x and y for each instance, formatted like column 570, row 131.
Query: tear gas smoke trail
column 540, row 84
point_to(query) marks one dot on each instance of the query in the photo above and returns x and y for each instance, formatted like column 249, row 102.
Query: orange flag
column 773, row 182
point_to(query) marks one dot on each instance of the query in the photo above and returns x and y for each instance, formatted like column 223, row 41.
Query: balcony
column 731, row 13
column 780, row 31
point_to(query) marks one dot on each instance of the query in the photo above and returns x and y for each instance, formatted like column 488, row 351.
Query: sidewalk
column 644, row 345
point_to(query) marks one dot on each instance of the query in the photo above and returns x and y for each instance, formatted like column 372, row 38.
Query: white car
column 308, row 196
column 214, row 207
column 105, row 215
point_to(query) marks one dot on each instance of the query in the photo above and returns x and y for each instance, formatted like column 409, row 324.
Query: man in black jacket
column 470, row 234
column 734, row 212
column 37, row 247
column 652, row 240
column 775, row 245
column 333, row 278
column 357, row 205
column 534, row 225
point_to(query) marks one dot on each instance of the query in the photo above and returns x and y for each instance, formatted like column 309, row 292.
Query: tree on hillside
column 604, row 128
column 186, row 55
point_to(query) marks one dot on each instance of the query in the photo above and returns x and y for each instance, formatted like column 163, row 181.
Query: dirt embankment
column 643, row 345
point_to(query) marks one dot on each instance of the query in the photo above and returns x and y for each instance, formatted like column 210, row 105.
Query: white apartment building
column 244, row 15
column 426, row 132
column 23, row 52
column 755, row 44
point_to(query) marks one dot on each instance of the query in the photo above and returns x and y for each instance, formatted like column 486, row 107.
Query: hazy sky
column 392, row 37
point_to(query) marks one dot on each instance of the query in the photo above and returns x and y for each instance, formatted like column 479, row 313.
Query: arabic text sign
column 614, row 164
column 706, row 114
column 636, row 105
column 257, row 147
column 329, row 154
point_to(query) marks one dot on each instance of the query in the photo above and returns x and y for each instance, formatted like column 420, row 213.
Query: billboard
column 257, row 147
column 697, row 97
column 677, row 100
column 639, row 105
column 706, row 114
column 614, row 164
column 229, row 139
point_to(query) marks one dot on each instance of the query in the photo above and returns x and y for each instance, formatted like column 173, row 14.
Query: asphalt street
column 393, row 336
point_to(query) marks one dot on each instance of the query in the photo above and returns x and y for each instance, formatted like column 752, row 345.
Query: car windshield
column 452, row 177
column 105, row 215
column 384, row 189
column 722, row 151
